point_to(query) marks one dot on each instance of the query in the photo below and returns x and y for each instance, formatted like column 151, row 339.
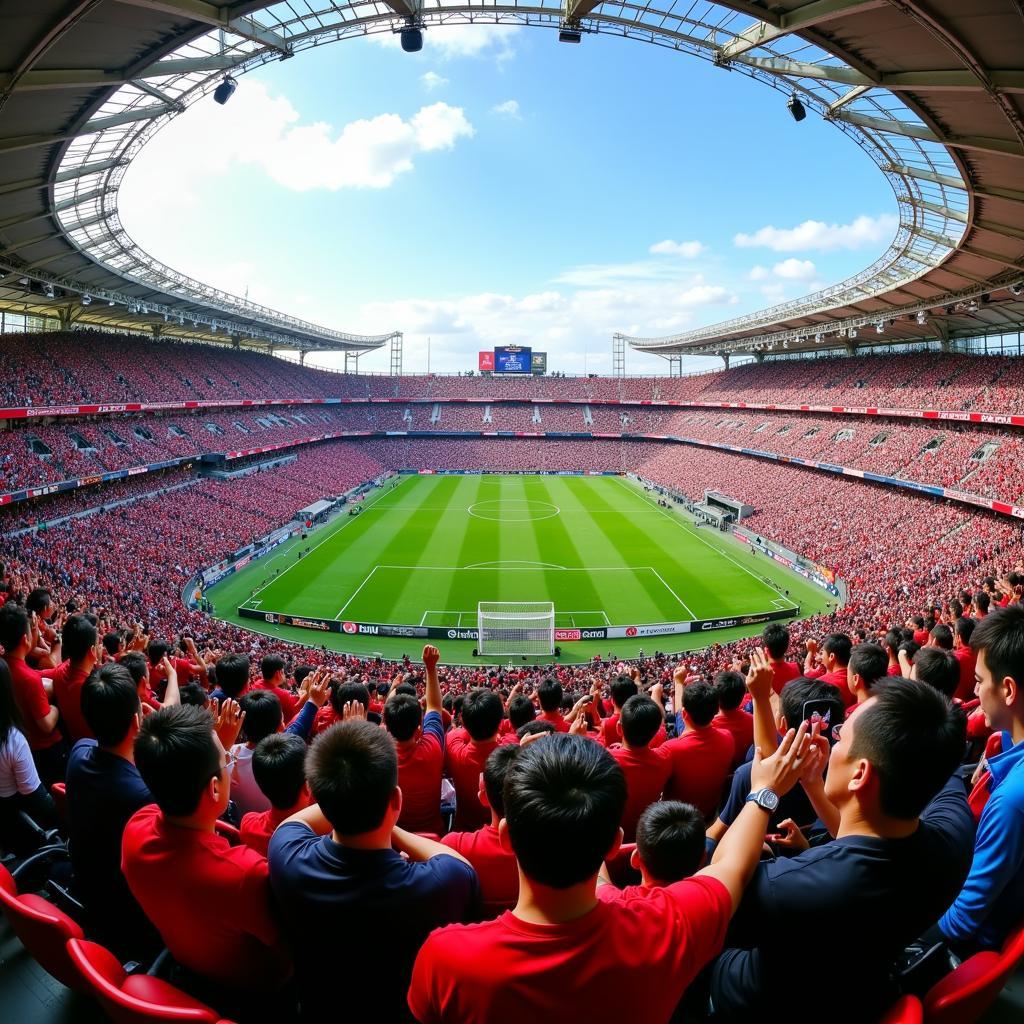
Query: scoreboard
column 513, row 360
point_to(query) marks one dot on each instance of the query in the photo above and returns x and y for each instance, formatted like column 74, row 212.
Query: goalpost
column 516, row 627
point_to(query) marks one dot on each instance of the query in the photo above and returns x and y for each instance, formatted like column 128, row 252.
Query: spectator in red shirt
column 224, row 932
column 232, row 677
column 563, row 954
column 272, row 668
column 520, row 710
column 646, row 771
column 495, row 865
column 891, row 645
column 49, row 752
column 731, row 691
column 138, row 665
column 278, row 766
column 981, row 604
column 700, row 759
column 466, row 752
column 80, row 645
column 420, row 741
column 917, row 624
column 186, row 668
column 775, row 638
column 963, row 629
column 938, row 668
column 868, row 664
column 622, row 688
column 833, row 660
column 549, row 693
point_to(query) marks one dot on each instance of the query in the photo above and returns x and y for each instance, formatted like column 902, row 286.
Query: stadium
column 527, row 688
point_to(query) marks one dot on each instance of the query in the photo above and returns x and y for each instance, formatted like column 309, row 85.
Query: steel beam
column 848, row 97
column 85, row 197
column 919, row 131
column 924, row 174
column 941, row 211
column 99, row 124
column 189, row 65
column 83, row 170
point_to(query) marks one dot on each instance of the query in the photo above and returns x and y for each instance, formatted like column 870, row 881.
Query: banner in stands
column 539, row 363
column 485, row 362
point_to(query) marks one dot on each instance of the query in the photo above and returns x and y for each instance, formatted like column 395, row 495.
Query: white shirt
column 244, row 791
column 17, row 769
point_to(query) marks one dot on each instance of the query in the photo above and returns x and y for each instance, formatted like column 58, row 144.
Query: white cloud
column 432, row 80
column 817, row 235
column 450, row 42
column 510, row 108
column 795, row 270
column 688, row 250
column 758, row 273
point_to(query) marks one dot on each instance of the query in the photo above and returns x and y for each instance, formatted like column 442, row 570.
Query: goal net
column 509, row 627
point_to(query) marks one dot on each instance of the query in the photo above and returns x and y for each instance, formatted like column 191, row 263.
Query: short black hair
column 943, row 636
column 549, row 693
column 495, row 769
column 110, row 700
column 564, row 798
column 402, row 716
column 521, row 711
column 135, row 662
column 670, row 840
column 14, row 626
column 78, row 637
column 622, row 688
column 263, row 715
column 797, row 692
column 482, row 712
column 839, row 645
column 964, row 628
column 156, row 650
column 300, row 673
column 1001, row 636
column 192, row 693
column 981, row 601
column 38, row 599
column 233, row 674
column 869, row 662
column 938, row 668
column 700, row 702
column 346, row 692
column 641, row 719
column 113, row 641
column 913, row 737
column 271, row 665
column 731, row 689
column 176, row 756
column 775, row 638
column 279, row 768
column 352, row 770
column 538, row 725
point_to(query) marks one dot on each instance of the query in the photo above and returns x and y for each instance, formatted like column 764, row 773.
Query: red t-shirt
column 33, row 703
column 622, row 957
column 646, row 773
column 258, row 826
column 67, row 695
column 289, row 702
column 701, row 760
column 182, row 669
column 610, row 732
column 839, row 678
column 495, row 867
column 968, row 661
column 556, row 718
column 325, row 718
column 740, row 725
column 782, row 672
column 209, row 901
column 464, row 760
column 419, row 777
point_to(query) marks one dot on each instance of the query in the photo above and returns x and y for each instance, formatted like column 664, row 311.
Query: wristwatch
column 766, row 799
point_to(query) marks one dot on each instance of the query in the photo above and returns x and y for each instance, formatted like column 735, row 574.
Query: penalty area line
column 369, row 577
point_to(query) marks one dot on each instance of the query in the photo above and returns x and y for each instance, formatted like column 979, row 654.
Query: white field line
column 330, row 535
column 689, row 611
column 356, row 591
column 685, row 526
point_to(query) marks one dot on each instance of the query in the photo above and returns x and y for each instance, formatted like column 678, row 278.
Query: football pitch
column 427, row 549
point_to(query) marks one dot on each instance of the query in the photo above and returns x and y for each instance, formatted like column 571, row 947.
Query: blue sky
column 500, row 187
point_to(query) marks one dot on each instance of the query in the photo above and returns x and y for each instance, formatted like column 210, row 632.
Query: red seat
column 59, row 792
column 133, row 998
column 966, row 993
column 908, row 1010
column 43, row 929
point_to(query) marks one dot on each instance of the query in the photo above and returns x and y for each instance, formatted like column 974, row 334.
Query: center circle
column 514, row 510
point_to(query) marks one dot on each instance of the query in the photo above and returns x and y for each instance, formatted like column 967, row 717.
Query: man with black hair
column 646, row 771
column 549, row 693
column 232, row 677
column 209, row 900
column 833, row 661
column 621, row 689
column 495, row 865
column 700, row 760
column 563, row 954
column 991, row 902
column 535, row 728
column 938, row 668
column 186, row 669
column 272, row 671
column 80, row 646
column 466, row 753
column 963, row 630
column 419, row 739
column 32, row 695
column 520, row 711
column 981, row 605
column 902, row 845
column 941, row 636
column 278, row 766
column 775, row 639
column 341, row 884
column 192, row 694
column 891, row 646
column 731, row 691
column 868, row 664
column 104, row 790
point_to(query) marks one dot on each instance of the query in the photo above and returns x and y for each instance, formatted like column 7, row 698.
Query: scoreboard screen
column 513, row 360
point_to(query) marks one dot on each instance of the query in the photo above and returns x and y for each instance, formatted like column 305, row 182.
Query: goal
column 510, row 627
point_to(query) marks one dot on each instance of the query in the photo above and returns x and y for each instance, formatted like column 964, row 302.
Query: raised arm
column 759, row 683
column 431, row 656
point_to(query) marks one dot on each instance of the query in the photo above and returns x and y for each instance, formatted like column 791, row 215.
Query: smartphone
column 823, row 709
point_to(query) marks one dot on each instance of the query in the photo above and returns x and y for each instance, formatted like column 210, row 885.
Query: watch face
column 768, row 800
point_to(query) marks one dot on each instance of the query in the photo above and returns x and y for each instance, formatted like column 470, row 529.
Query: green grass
column 427, row 551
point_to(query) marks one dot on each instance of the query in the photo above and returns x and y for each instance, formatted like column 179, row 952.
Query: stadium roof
column 932, row 92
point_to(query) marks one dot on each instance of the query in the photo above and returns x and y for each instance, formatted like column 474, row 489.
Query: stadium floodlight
column 972, row 306
column 796, row 108
column 412, row 38
column 225, row 90
column 922, row 318
column 516, row 628
column 880, row 327
column 48, row 291
column 86, row 299
column 570, row 35
column 817, row 339
column 1017, row 289
column 853, row 332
